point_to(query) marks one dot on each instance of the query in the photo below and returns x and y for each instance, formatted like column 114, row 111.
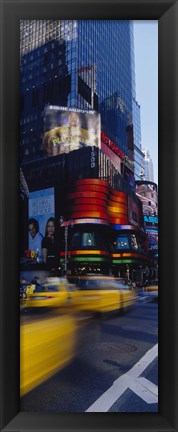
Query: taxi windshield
column 45, row 288
column 103, row 284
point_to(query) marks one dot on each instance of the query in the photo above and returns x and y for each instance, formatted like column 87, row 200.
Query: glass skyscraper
column 138, row 154
column 148, row 166
column 83, row 65
column 87, row 64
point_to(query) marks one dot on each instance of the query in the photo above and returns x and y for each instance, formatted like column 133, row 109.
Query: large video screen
column 67, row 129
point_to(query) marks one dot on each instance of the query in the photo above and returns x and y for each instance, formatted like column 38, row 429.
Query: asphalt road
column 116, row 369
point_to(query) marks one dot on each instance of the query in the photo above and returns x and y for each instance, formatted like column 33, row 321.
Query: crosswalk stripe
column 107, row 399
column 143, row 391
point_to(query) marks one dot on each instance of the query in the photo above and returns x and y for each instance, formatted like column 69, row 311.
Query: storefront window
column 86, row 239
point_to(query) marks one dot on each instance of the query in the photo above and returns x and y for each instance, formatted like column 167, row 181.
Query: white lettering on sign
column 93, row 158
column 151, row 219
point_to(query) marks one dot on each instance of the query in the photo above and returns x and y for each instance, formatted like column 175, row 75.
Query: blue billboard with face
column 41, row 211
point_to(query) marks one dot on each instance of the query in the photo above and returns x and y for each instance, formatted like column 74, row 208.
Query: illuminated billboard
column 152, row 241
column 40, row 210
column 110, row 149
column 151, row 220
column 68, row 129
column 134, row 213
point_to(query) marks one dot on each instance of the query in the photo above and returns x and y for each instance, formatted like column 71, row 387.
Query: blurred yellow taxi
column 89, row 293
column 47, row 344
column 153, row 286
column 152, row 289
column 52, row 293
column 99, row 293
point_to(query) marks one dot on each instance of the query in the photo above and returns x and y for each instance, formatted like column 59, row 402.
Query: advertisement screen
column 129, row 177
column 153, row 241
column 40, row 210
column 133, row 212
column 68, row 129
column 112, row 156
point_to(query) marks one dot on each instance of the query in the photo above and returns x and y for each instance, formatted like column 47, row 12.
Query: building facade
column 138, row 154
column 103, row 214
column 148, row 166
column 147, row 192
column 85, row 64
column 82, row 69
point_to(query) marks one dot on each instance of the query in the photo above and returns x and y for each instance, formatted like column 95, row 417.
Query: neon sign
column 112, row 145
column 151, row 219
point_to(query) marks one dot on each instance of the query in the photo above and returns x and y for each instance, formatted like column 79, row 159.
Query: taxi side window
column 94, row 284
column 39, row 288
column 53, row 288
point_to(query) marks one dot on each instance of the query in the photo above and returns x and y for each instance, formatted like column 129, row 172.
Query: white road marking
column 148, row 385
column 143, row 392
column 128, row 380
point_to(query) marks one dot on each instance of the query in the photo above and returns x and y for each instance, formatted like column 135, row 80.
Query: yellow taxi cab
column 90, row 293
column 52, row 293
column 50, row 338
column 153, row 286
column 152, row 289
column 47, row 344
column 98, row 293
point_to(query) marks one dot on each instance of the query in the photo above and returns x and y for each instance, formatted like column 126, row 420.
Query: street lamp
column 66, row 229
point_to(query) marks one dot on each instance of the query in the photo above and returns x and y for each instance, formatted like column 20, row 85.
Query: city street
column 88, row 217
column 115, row 371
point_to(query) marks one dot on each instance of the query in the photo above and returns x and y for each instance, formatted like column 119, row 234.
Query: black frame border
column 167, row 14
